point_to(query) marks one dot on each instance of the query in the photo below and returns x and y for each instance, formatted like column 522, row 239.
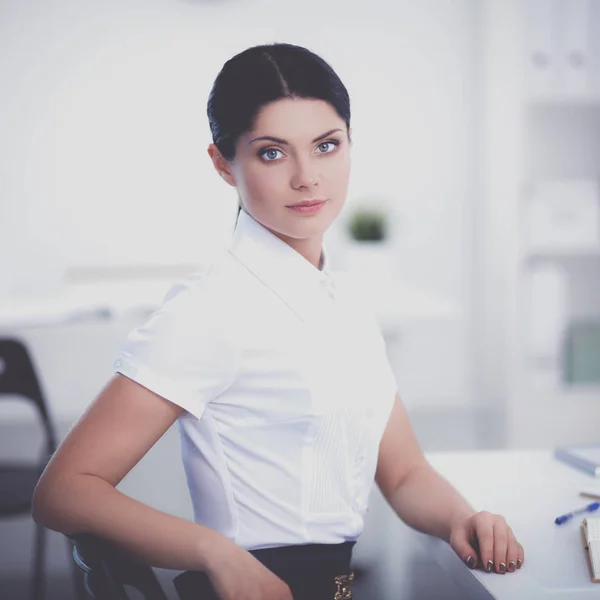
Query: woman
column 274, row 370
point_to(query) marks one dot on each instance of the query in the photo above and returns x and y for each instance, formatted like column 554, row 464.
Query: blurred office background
column 477, row 133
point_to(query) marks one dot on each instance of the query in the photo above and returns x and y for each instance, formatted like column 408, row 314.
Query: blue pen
column 589, row 508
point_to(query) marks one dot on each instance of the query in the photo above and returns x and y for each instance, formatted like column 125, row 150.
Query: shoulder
column 207, row 288
column 361, row 302
column 193, row 318
column 185, row 350
column 353, row 290
column 197, row 307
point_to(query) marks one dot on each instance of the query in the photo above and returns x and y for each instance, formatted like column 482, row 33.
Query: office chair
column 18, row 479
column 108, row 569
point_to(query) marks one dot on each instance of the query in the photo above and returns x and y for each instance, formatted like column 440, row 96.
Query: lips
column 307, row 203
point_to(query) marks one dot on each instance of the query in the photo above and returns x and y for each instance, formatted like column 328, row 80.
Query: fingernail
column 519, row 563
column 512, row 565
column 490, row 564
column 502, row 568
column 469, row 562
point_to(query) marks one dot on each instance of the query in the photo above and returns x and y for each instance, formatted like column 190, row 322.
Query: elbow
column 61, row 502
column 41, row 505
column 49, row 505
column 409, row 473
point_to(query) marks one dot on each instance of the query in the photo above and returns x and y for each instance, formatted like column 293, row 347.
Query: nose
column 306, row 175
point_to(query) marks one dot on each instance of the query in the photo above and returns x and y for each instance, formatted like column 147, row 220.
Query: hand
column 236, row 575
column 486, row 540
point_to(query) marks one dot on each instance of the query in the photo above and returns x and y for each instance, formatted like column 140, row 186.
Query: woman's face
column 298, row 150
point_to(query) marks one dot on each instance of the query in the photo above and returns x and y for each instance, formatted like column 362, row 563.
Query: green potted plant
column 368, row 225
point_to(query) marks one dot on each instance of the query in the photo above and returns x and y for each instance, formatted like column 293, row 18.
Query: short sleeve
column 389, row 378
column 386, row 383
column 182, row 352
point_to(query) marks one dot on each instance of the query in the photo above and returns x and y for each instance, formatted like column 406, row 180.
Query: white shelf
column 566, row 395
column 563, row 99
column 558, row 252
column 531, row 137
column 581, row 393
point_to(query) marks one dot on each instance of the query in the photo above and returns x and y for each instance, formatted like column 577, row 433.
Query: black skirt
column 313, row 572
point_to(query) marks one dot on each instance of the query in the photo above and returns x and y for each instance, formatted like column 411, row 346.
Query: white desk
column 394, row 304
column 530, row 489
column 85, row 301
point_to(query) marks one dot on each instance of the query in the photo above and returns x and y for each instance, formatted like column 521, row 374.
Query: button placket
column 328, row 286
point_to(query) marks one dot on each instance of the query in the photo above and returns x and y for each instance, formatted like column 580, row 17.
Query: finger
column 500, row 544
column 512, row 552
column 520, row 556
column 461, row 544
column 485, row 538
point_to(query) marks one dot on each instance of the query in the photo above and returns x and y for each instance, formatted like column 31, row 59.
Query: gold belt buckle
column 343, row 586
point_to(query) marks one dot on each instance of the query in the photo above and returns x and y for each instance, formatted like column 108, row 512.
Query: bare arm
column 419, row 495
column 76, row 493
column 427, row 502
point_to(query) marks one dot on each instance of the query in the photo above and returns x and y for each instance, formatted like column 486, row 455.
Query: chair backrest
column 108, row 569
column 18, row 377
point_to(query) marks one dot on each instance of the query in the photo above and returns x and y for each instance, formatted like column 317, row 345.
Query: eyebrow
column 284, row 143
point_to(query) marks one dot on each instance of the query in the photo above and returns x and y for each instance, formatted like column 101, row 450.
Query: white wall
column 104, row 157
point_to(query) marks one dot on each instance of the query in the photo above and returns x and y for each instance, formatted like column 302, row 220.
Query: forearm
column 88, row 504
column 427, row 502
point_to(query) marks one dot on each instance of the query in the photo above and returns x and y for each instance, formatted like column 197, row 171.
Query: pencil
column 588, row 495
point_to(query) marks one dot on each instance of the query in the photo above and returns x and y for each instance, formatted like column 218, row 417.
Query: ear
column 350, row 135
column 221, row 165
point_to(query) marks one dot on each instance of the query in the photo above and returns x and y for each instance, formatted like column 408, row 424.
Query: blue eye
column 330, row 143
column 272, row 154
column 269, row 154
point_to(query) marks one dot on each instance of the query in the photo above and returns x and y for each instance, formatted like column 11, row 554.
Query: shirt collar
column 285, row 271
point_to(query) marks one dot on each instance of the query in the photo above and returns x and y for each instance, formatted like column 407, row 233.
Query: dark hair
column 263, row 74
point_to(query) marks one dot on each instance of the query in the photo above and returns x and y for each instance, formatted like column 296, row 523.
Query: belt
column 312, row 571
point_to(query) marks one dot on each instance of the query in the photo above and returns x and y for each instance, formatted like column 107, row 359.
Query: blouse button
column 118, row 363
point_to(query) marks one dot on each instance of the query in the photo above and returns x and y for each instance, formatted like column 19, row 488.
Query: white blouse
column 284, row 377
